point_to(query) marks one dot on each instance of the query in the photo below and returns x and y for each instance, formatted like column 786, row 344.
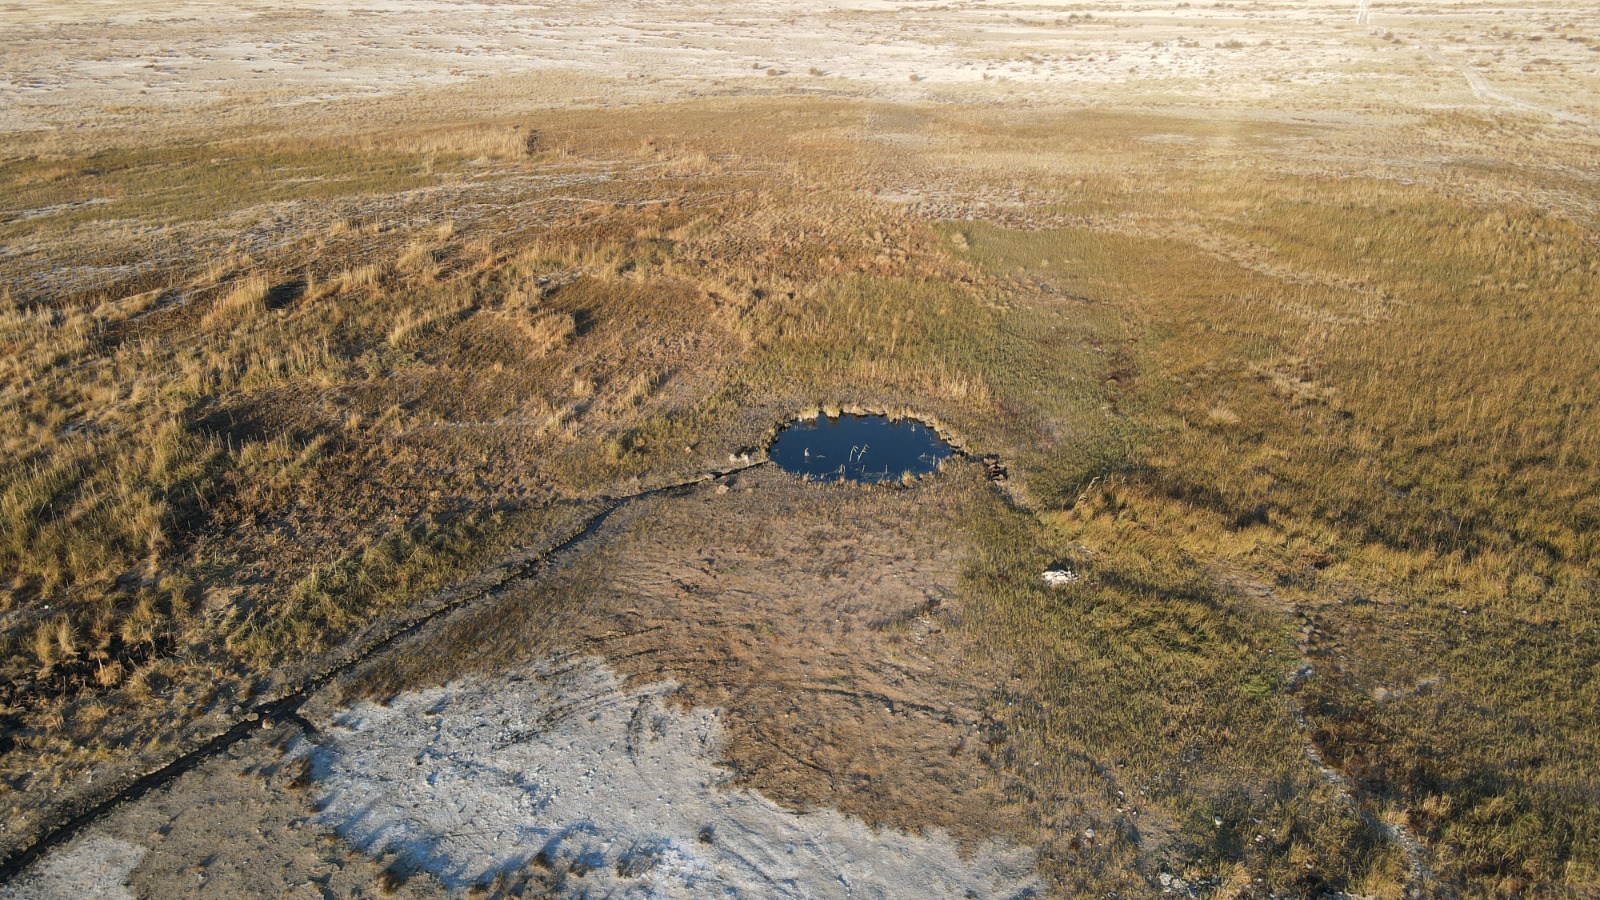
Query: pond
column 866, row 449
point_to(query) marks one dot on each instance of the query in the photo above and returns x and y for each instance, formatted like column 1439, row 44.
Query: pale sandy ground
column 94, row 866
column 557, row 768
column 64, row 65
column 558, row 762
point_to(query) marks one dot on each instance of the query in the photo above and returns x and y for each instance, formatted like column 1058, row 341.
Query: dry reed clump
column 430, row 145
column 433, row 313
column 545, row 331
column 243, row 303
column 467, row 140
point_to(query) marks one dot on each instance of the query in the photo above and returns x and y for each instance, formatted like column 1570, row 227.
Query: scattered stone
column 1059, row 577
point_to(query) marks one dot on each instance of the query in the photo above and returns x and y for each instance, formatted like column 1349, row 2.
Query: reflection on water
column 866, row 449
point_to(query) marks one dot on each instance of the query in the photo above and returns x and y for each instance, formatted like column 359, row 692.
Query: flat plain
column 385, row 388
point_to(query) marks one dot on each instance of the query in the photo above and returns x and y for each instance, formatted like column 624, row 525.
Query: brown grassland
column 1321, row 437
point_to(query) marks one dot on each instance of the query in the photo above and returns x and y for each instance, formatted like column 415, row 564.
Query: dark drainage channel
column 864, row 449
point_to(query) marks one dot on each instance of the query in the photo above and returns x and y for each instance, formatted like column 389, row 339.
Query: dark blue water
column 867, row 449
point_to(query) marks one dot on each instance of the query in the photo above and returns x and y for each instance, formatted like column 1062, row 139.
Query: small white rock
column 1059, row 577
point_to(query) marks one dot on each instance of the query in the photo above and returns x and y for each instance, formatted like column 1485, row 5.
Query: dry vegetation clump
column 1280, row 415
column 469, row 141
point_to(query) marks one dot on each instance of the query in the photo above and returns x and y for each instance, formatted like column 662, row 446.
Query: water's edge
column 994, row 468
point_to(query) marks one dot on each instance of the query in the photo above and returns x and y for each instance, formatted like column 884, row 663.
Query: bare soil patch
column 556, row 773
column 815, row 618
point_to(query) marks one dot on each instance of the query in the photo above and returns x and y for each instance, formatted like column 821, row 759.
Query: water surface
column 867, row 449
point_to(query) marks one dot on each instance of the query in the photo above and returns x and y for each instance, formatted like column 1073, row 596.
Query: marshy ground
column 326, row 330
